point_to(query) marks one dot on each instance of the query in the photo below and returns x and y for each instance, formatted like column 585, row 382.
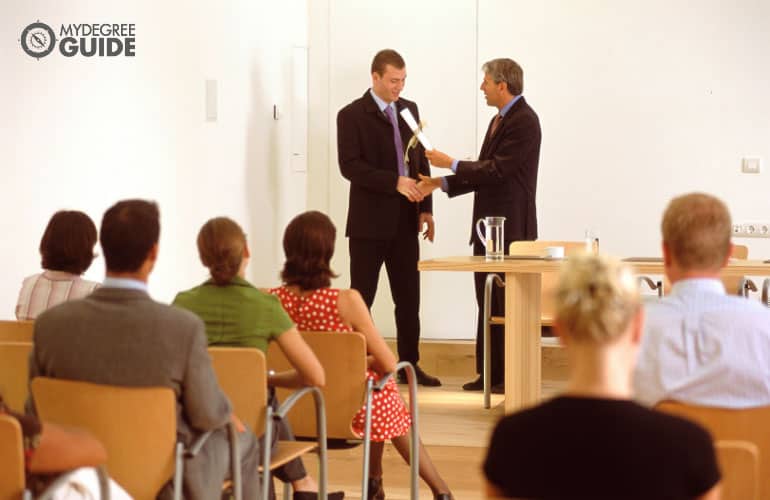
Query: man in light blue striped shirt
column 700, row 345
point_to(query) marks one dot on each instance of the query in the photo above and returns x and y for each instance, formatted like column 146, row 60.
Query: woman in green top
column 238, row 314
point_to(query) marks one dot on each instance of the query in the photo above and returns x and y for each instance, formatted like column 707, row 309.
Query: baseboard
column 457, row 358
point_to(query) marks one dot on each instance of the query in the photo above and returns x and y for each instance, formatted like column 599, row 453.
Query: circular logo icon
column 38, row 40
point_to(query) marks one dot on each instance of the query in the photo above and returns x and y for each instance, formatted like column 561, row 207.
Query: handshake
column 416, row 191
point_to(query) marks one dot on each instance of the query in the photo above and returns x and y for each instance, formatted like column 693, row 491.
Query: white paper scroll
column 409, row 119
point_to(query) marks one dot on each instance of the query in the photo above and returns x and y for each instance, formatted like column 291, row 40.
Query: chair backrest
column 746, row 424
column 14, row 370
column 242, row 375
column 343, row 357
column 16, row 331
column 137, row 425
column 548, row 281
column 739, row 463
column 11, row 459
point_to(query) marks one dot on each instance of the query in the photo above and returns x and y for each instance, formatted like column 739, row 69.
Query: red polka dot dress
column 318, row 312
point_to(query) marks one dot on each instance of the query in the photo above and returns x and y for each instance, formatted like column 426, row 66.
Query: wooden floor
column 455, row 429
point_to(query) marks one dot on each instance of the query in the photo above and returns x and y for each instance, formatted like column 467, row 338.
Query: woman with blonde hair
column 593, row 441
column 308, row 243
column 239, row 315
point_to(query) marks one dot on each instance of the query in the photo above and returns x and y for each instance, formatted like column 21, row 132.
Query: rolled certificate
column 409, row 119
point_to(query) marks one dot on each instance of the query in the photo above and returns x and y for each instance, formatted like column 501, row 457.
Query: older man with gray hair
column 503, row 182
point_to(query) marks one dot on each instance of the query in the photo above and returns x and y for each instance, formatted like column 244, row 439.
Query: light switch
column 211, row 100
column 751, row 166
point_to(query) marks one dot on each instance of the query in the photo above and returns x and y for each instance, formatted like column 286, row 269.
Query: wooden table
column 522, row 311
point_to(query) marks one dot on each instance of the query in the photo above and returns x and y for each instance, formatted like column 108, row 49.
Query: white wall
column 82, row 133
column 638, row 101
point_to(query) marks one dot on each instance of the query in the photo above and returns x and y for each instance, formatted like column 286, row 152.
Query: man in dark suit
column 386, row 211
column 120, row 336
column 503, row 182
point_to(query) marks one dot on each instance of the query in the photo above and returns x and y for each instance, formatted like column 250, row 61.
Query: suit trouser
column 497, row 339
column 400, row 255
column 204, row 473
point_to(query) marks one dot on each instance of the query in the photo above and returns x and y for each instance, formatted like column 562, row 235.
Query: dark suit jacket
column 122, row 337
column 367, row 158
column 504, row 179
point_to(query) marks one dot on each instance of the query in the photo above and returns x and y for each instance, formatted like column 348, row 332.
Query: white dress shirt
column 701, row 346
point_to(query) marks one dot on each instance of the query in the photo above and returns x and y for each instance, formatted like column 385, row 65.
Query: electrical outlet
column 752, row 230
column 751, row 165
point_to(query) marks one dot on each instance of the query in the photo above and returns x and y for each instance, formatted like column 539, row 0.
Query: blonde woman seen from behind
column 593, row 441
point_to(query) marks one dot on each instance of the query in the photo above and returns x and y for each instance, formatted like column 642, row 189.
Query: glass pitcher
column 492, row 237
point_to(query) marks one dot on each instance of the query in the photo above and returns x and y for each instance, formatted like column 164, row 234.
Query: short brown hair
column 68, row 242
column 130, row 228
column 696, row 230
column 596, row 298
column 221, row 243
column 508, row 71
column 385, row 57
column 308, row 243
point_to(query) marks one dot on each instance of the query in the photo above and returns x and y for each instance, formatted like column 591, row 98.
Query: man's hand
column 428, row 184
column 408, row 187
column 439, row 159
column 430, row 231
column 237, row 423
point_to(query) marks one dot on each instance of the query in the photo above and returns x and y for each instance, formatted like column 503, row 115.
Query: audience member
column 306, row 295
column 67, row 249
column 702, row 346
column 119, row 336
column 51, row 451
column 237, row 314
column 593, row 441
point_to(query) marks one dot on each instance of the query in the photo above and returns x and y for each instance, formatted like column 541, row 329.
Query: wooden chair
column 345, row 389
column 16, row 331
column 137, row 425
column 14, row 371
column 746, row 424
column 739, row 463
column 12, row 485
column 343, row 357
column 242, row 375
column 12, row 471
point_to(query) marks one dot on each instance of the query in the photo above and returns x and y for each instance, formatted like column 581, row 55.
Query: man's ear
column 153, row 253
column 730, row 251
column 246, row 251
column 637, row 326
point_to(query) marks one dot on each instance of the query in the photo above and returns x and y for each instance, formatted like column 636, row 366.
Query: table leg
column 522, row 340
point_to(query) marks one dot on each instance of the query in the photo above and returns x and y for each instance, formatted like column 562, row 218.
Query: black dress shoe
column 478, row 385
column 422, row 378
column 474, row 385
column 443, row 496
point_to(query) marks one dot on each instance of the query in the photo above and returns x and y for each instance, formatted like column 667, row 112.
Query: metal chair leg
column 492, row 279
column 414, row 443
column 746, row 285
column 657, row 285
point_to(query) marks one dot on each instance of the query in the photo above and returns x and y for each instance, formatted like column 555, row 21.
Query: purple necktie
column 397, row 140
